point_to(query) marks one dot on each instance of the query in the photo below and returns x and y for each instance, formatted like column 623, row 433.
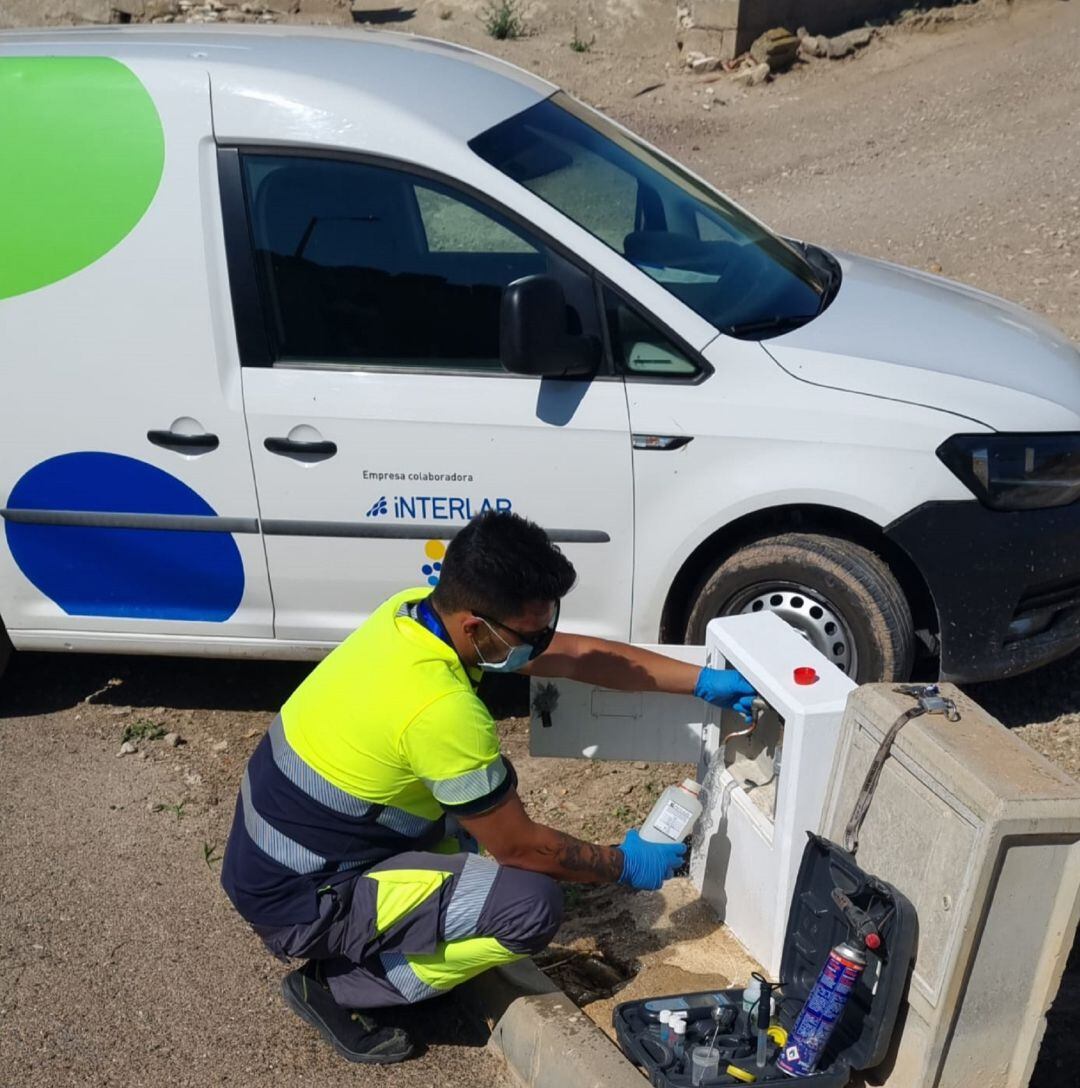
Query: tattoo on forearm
column 586, row 860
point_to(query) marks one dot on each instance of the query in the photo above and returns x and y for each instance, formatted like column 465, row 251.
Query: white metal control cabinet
column 758, row 807
column 748, row 844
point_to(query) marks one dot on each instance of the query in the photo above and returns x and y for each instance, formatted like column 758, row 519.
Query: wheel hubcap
column 816, row 620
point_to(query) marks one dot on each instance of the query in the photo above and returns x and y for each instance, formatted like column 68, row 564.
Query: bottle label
column 673, row 820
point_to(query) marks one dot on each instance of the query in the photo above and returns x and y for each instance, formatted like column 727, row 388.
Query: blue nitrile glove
column 727, row 688
column 646, row 865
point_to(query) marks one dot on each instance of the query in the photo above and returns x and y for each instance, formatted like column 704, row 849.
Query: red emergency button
column 873, row 942
column 805, row 675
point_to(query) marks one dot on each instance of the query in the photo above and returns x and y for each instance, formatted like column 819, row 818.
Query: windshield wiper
column 825, row 265
column 769, row 325
column 832, row 284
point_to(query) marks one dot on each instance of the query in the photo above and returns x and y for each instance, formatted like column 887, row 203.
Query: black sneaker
column 354, row 1035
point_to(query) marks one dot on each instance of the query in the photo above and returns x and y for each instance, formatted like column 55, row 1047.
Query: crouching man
column 339, row 853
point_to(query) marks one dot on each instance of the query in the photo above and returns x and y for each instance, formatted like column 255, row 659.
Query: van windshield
column 715, row 258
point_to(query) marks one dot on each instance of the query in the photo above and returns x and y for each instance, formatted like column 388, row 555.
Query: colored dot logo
column 434, row 550
column 140, row 574
column 90, row 114
column 378, row 507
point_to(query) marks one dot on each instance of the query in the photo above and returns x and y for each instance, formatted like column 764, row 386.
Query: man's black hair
column 499, row 563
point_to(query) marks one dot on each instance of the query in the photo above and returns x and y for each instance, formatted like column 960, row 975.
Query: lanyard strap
column 427, row 616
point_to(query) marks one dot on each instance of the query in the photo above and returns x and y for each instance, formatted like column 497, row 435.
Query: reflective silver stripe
column 271, row 841
column 469, row 786
column 404, row 823
column 473, row 887
column 315, row 786
column 309, row 780
column 403, row 978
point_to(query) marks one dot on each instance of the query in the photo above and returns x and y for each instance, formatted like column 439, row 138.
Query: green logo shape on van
column 82, row 156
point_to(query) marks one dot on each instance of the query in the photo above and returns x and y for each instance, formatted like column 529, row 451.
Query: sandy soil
column 121, row 961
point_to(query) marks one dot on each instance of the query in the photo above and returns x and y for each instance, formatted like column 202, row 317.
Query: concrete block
column 710, row 43
column 715, row 14
column 983, row 835
column 757, row 16
column 544, row 1038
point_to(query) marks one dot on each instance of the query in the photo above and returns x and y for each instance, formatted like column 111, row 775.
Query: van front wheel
column 841, row 597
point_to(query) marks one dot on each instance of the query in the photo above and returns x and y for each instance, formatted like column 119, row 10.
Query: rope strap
column 929, row 701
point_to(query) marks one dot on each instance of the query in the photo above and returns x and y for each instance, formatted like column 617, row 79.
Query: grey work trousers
column 418, row 924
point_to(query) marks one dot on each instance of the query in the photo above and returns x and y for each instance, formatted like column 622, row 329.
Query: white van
column 281, row 310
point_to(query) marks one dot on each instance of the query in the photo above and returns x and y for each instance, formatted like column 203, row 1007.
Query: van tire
column 845, row 580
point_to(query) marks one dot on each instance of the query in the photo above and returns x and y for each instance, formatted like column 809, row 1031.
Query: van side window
column 371, row 266
column 639, row 347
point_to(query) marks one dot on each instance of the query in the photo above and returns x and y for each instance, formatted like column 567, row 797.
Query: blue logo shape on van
column 148, row 574
column 377, row 507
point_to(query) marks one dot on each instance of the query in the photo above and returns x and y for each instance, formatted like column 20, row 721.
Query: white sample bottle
column 665, row 1025
column 673, row 816
column 678, row 1036
column 751, row 995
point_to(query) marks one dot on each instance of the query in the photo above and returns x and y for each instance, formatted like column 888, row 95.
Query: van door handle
column 301, row 451
column 184, row 443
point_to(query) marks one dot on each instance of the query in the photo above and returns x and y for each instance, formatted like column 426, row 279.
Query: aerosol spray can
column 824, row 1006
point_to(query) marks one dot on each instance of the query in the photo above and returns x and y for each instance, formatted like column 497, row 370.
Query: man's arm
column 512, row 838
column 613, row 665
column 624, row 667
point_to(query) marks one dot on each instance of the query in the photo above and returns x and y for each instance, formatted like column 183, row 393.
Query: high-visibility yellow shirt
column 383, row 738
column 392, row 716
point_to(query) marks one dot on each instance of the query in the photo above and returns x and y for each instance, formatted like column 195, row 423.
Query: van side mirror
column 533, row 337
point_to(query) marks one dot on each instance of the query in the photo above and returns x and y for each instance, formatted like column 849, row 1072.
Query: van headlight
column 1016, row 471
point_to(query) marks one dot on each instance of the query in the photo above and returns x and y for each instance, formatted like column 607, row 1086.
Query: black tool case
column 815, row 925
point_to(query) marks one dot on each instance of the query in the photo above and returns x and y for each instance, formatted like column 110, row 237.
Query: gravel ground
column 122, row 962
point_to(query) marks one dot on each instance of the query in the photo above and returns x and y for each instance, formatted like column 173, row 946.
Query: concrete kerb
column 544, row 1038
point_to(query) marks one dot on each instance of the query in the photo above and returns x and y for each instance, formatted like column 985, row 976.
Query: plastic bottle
column 665, row 1025
column 751, row 995
column 673, row 816
column 678, row 1036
